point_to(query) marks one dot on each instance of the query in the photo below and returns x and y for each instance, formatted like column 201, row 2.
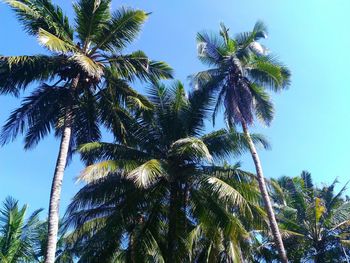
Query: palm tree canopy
column 169, row 173
column 241, row 69
column 17, row 234
column 316, row 218
column 91, row 50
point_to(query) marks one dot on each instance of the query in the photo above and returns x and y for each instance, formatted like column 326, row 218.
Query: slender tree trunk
column 265, row 195
column 172, row 223
column 132, row 246
column 56, row 186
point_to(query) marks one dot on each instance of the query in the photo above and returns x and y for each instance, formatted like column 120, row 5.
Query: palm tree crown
column 241, row 70
column 18, row 235
column 316, row 218
column 164, row 193
column 90, row 53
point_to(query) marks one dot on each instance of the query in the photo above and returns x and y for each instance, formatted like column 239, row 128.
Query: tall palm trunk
column 172, row 242
column 265, row 195
column 56, row 187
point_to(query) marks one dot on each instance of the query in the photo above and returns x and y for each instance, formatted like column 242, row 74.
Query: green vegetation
column 241, row 70
column 83, row 83
column 165, row 188
column 166, row 193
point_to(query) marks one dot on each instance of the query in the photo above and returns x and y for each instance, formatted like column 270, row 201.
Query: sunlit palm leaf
column 53, row 43
column 147, row 173
column 192, row 148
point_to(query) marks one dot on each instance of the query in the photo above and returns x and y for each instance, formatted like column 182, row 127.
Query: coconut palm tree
column 84, row 75
column 317, row 219
column 64, row 252
column 165, row 197
column 17, row 234
column 241, row 71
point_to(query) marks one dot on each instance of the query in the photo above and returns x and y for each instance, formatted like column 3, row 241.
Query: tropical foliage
column 81, row 83
column 315, row 219
column 17, row 234
column 165, row 188
column 241, row 69
column 167, row 198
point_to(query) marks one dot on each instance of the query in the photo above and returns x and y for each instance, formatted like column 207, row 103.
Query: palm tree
column 65, row 253
column 17, row 234
column 317, row 219
column 164, row 198
column 241, row 70
column 82, row 78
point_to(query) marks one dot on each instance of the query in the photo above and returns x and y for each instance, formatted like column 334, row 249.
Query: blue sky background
column 309, row 131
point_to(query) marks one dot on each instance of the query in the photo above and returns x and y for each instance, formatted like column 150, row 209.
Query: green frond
column 147, row 173
column 190, row 148
column 54, row 43
column 210, row 48
column 139, row 103
column 91, row 67
column 260, row 30
column 152, row 249
column 225, row 143
column 268, row 72
column 263, row 105
column 246, row 39
column 138, row 65
column 91, row 18
column 121, row 29
column 108, row 151
column 97, row 171
column 226, row 193
column 17, row 234
column 37, row 115
column 178, row 94
column 42, row 14
column 17, row 72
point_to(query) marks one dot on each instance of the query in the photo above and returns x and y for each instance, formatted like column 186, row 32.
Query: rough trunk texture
column 56, row 187
column 265, row 195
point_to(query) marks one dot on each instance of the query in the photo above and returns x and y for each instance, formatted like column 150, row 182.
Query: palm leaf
column 263, row 106
column 123, row 27
column 53, row 43
column 17, row 72
column 91, row 17
column 147, row 173
column 42, row 14
column 190, row 148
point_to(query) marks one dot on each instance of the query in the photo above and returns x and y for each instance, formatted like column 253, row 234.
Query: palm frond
column 263, row 106
column 190, row 148
column 210, row 48
column 42, row 14
column 268, row 71
column 227, row 192
column 36, row 116
column 138, row 65
column 54, row 43
column 225, row 143
column 91, row 67
column 122, row 28
column 147, row 173
column 99, row 170
column 91, row 18
column 17, row 72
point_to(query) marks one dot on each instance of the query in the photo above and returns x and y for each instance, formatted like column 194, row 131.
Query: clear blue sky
column 309, row 131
